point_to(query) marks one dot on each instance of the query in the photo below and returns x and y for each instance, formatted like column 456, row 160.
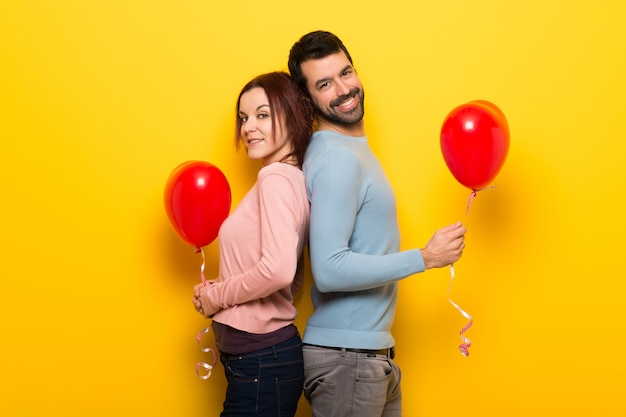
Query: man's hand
column 445, row 247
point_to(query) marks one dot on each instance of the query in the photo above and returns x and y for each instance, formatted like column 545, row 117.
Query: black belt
column 391, row 352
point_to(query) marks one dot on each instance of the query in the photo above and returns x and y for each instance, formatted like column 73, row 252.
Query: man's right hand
column 445, row 247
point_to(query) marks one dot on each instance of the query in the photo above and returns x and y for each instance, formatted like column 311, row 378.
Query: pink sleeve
column 279, row 249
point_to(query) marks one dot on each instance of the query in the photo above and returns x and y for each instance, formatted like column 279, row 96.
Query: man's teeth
column 347, row 103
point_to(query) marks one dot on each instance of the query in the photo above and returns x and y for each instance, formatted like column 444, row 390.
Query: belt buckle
column 389, row 352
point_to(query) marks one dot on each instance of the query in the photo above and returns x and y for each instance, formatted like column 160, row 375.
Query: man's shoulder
column 328, row 141
column 321, row 153
column 322, row 143
column 333, row 136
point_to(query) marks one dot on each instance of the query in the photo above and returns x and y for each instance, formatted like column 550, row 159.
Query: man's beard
column 353, row 116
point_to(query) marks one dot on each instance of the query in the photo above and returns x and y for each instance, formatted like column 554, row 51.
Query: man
column 354, row 245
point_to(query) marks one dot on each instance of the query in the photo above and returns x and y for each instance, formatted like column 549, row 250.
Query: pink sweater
column 261, row 245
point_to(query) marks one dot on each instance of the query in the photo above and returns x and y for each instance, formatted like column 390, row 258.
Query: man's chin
column 344, row 119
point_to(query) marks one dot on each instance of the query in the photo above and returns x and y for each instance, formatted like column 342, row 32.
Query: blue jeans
column 265, row 383
column 340, row 383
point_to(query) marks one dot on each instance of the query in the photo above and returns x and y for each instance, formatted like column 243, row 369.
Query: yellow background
column 100, row 100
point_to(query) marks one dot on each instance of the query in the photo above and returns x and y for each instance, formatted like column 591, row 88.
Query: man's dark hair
column 314, row 45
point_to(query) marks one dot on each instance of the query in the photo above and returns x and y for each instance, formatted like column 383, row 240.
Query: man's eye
column 323, row 85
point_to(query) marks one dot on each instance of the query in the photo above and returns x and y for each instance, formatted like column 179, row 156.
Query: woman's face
column 264, row 142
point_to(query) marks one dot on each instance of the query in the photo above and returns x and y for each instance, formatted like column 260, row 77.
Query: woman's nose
column 249, row 126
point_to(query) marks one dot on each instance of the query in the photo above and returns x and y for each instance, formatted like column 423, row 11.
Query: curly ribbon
column 205, row 365
column 463, row 347
column 466, row 342
column 199, row 250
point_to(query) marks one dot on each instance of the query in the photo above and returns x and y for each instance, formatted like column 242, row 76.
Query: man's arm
column 335, row 183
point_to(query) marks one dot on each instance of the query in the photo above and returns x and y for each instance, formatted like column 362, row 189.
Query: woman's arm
column 280, row 223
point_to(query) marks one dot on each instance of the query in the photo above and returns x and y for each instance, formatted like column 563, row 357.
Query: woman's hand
column 198, row 293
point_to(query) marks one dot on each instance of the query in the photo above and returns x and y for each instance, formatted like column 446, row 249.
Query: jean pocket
column 321, row 396
column 238, row 370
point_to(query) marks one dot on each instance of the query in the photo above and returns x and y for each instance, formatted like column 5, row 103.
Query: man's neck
column 356, row 130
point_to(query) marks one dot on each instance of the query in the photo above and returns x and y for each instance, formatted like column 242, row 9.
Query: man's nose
column 342, row 89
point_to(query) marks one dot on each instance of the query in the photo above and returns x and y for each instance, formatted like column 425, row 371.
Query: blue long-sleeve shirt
column 354, row 245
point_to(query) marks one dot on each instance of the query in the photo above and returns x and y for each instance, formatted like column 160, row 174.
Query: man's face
column 335, row 89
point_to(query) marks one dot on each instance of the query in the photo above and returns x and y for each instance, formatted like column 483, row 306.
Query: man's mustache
column 345, row 97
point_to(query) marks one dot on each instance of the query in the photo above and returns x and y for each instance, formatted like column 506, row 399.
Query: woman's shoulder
column 280, row 179
column 279, row 168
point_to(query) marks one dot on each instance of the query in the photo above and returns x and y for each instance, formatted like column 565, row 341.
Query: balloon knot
column 198, row 250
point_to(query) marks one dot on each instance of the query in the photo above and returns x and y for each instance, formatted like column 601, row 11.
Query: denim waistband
column 293, row 343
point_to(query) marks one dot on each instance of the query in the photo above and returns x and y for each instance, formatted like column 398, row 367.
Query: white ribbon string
column 467, row 343
column 199, row 250
column 205, row 365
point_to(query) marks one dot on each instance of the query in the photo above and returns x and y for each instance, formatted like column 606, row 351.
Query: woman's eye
column 263, row 115
column 243, row 118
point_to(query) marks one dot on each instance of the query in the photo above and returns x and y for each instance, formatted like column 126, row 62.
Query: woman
column 261, row 245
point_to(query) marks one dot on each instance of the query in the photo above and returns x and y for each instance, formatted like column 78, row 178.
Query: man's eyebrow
column 323, row 80
column 347, row 67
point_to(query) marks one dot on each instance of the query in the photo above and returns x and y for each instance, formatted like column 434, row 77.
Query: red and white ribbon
column 203, row 365
column 199, row 250
column 466, row 342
